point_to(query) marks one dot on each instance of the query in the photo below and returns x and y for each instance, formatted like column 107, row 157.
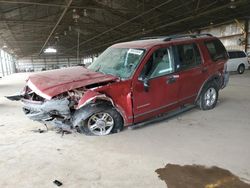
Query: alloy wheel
column 100, row 123
column 210, row 96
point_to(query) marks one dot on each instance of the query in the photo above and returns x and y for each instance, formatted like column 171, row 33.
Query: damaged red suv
column 130, row 84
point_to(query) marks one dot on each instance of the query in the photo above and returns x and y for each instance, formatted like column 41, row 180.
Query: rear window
column 236, row 54
column 216, row 50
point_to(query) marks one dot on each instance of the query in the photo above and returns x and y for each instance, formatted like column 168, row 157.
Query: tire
column 209, row 96
column 102, row 123
column 241, row 69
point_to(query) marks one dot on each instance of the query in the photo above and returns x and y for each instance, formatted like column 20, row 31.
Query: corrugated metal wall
column 31, row 64
column 7, row 64
column 231, row 35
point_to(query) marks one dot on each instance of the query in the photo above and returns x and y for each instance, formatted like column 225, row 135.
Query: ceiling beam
column 57, row 23
column 188, row 18
column 27, row 22
column 61, row 5
column 126, row 22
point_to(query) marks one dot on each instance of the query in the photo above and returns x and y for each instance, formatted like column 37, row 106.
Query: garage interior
column 78, row 32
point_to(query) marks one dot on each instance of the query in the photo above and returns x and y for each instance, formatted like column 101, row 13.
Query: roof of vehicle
column 149, row 42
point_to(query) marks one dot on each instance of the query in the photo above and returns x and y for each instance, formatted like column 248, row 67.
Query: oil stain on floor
column 196, row 176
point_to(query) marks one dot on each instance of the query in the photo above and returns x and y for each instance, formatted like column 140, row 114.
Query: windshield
column 119, row 62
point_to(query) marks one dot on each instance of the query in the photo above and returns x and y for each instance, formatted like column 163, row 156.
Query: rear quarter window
column 241, row 54
column 236, row 54
column 216, row 50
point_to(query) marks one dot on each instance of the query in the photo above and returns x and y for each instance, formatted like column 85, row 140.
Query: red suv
column 130, row 84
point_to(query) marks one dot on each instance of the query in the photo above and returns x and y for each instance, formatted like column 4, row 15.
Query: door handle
column 171, row 79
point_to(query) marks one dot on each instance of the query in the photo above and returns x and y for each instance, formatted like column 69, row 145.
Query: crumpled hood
column 51, row 83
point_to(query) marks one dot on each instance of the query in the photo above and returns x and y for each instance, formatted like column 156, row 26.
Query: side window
column 241, row 54
column 216, row 50
column 232, row 55
column 159, row 64
column 188, row 56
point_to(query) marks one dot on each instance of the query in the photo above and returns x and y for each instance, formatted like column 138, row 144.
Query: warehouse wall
column 232, row 35
column 31, row 64
column 7, row 63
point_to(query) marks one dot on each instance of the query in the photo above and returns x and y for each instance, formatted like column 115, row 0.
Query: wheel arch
column 93, row 102
column 214, row 78
column 241, row 64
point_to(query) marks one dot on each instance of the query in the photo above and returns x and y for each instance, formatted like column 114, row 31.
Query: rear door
column 192, row 73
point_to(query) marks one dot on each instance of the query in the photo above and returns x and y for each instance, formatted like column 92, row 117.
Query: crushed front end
column 56, row 111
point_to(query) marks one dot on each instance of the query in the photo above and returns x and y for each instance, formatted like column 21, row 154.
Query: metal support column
column 68, row 62
column 32, row 62
column 6, row 63
column 10, row 64
column 1, row 63
column 246, row 35
column 45, row 63
column 77, row 51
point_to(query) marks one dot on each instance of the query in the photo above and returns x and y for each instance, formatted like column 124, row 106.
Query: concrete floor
column 220, row 137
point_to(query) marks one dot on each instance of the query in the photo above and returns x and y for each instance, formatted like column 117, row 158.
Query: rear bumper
column 225, row 79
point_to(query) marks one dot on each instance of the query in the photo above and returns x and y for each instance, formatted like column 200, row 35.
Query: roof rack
column 168, row 38
column 171, row 37
column 153, row 37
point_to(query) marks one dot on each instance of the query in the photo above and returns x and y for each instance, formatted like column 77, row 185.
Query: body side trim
column 153, row 110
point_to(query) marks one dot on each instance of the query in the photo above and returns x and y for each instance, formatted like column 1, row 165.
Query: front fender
column 91, row 96
column 87, row 104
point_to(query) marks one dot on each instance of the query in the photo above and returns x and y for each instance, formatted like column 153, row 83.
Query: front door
column 156, row 89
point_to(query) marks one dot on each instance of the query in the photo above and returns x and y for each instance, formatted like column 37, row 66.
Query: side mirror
column 145, row 82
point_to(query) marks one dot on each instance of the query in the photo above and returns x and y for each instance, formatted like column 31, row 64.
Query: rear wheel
column 209, row 96
column 241, row 69
column 102, row 123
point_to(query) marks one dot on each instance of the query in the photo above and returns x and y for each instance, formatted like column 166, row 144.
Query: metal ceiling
column 28, row 27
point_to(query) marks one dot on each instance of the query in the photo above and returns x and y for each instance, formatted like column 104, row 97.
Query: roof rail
column 171, row 37
column 153, row 37
column 168, row 38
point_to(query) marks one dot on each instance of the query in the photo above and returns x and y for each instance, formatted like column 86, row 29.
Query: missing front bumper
column 55, row 112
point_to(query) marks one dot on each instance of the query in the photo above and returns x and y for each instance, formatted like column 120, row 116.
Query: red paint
column 129, row 96
column 87, row 97
column 120, row 93
column 55, row 82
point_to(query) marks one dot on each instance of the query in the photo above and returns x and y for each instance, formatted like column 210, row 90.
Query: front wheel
column 102, row 123
column 209, row 96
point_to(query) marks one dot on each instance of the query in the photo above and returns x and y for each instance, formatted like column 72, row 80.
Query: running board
column 163, row 117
